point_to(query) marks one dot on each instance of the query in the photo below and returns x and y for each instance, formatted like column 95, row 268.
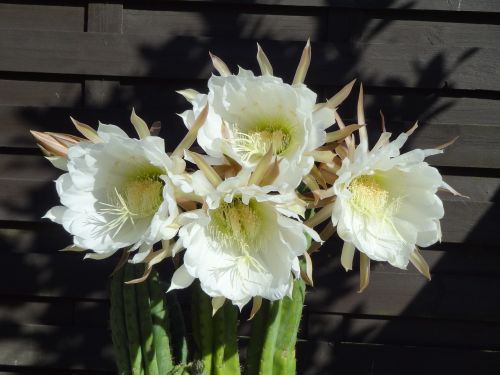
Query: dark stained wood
column 42, row 17
column 229, row 24
column 107, row 18
column 57, row 347
column 317, row 358
column 367, row 28
column 55, row 275
column 421, row 332
column 18, row 311
column 39, row 93
column 161, row 56
column 400, row 293
column 447, row 5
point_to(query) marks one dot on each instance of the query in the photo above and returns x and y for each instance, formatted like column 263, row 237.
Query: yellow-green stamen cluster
column 237, row 225
column 255, row 142
column 369, row 197
column 139, row 197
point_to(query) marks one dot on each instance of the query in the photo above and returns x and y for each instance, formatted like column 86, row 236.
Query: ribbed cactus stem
column 291, row 312
column 256, row 340
column 161, row 324
column 145, row 325
column 272, row 328
column 202, row 324
column 118, row 327
column 140, row 324
column 231, row 355
column 132, row 324
column 219, row 342
column 271, row 350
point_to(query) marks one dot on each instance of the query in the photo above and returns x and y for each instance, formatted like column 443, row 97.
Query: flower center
column 139, row 197
column 237, row 225
column 143, row 197
column 255, row 142
column 369, row 198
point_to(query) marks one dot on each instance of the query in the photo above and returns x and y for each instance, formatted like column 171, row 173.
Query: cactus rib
column 291, row 312
column 130, row 309
column 118, row 328
column 219, row 342
column 231, row 356
column 160, row 320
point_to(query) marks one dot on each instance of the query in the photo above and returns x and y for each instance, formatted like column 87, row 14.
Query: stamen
column 138, row 198
column 237, row 225
column 254, row 143
column 369, row 197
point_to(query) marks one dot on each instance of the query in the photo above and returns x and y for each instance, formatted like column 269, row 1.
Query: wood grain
column 162, row 56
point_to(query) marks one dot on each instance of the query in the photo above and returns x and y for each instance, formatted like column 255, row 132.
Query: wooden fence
column 436, row 61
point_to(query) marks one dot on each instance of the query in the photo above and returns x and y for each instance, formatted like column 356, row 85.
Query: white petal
column 347, row 255
column 181, row 279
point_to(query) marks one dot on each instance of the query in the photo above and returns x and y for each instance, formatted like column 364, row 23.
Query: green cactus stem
column 140, row 324
column 146, row 324
column 271, row 350
column 291, row 312
column 131, row 323
column 219, row 342
column 256, row 343
column 118, row 327
column 202, row 326
column 271, row 330
column 231, row 355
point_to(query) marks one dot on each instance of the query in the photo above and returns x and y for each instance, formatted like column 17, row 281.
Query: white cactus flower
column 386, row 202
column 250, row 114
column 244, row 243
column 118, row 193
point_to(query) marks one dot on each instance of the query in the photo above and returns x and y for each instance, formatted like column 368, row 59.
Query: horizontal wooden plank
column 55, row 275
column 417, row 332
column 69, row 348
column 400, row 293
column 454, row 260
column 365, row 27
column 315, row 358
column 61, row 312
column 42, row 17
column 447, row 5
column 39, row 238
column 164, row 56
column 18, row 311
column 18, row 121
column 461, row 154
column 39, row 93
column 317, row 24
column 428, row 108
column 57, row 347
column 229, row 23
